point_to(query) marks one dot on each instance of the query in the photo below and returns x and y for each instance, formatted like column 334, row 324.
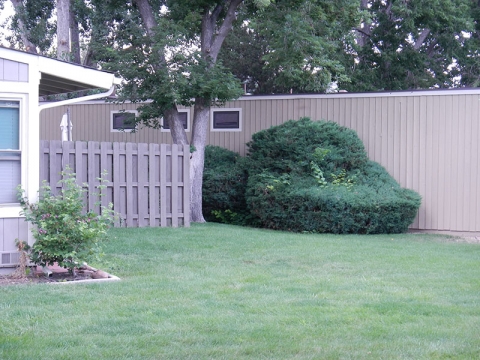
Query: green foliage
column 305, row 176
column 390, row 53
column 331, row 187
column 167, row 68
column 294, row 145
column 290, row 45
column 224, row 185
column 37, row 27
column 63, row 233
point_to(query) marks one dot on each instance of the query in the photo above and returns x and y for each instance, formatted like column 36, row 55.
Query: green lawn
column 217, row 291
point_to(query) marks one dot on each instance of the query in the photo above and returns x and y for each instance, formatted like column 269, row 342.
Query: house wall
column 10, row 230
column 428, row 141
column 13, row 71
column 14, row 85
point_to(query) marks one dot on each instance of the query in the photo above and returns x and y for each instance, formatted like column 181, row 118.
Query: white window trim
column 12, row 210
column 120, row 112
column 240, row 119
column 188, row 121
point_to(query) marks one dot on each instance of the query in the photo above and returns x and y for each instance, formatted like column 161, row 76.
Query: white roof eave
column 71, row 72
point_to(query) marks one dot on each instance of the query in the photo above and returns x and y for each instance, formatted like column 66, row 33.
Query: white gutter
column 76, row 100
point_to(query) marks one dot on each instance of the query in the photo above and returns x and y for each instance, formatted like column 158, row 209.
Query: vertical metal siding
column 428, row 143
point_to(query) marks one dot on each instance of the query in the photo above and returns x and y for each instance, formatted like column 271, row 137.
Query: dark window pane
column 124, row 121
column 183, row 118
column 226, row 120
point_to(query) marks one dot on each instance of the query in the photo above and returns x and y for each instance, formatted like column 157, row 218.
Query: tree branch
column 364, row 32
column 29, row 46
column 224, row 28
column 431, row 49
column 421, row 39
column 146, row 13
column 149, row 21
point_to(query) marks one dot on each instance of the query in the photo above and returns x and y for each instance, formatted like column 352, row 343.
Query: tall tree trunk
column 211, row 41
column 75, row 37
column 24, row 33
column 63, row 30
column 197, row 158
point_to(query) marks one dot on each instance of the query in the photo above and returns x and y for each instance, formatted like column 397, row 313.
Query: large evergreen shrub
column 316, row 176
column 224, row 186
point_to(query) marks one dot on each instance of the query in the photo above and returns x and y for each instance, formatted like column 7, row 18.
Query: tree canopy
column 291, row 46
column 413, row 44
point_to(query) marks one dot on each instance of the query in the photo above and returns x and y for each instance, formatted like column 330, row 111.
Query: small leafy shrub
column 63, row 233
column 224, row 185
column 331, row 187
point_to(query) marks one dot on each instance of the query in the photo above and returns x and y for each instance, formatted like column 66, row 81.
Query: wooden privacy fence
column 148, row 184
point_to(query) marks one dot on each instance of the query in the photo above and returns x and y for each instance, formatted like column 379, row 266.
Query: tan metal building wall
column 427, row 140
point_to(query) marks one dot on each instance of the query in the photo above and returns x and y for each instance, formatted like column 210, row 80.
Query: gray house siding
column 13, row 71
column 10, row 230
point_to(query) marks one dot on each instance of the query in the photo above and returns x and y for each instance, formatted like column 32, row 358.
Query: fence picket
column 141, row 190
column 163, row 185
column 153, row 202
column 116, row 180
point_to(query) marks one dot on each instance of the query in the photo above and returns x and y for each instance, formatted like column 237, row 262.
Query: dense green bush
column 302, row 205
column 292, row 146
column 224, row 185
column 305, row 176
column 316, row 176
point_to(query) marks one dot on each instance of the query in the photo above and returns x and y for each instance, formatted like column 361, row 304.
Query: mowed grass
column 222, row 292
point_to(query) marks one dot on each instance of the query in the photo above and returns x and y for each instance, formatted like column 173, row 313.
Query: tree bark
column 421, row 39
column 177, row 131
column 24, row 33
column 75, row 36
column 211, row 42
column 63, row 30
column 363, row 33
column 197, row 158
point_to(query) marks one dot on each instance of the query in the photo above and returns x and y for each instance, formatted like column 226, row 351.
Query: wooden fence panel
column 148, row 184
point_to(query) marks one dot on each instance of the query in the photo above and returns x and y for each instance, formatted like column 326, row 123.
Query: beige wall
column 427, row 140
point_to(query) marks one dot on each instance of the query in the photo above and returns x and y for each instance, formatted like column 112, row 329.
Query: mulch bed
column 58, row 275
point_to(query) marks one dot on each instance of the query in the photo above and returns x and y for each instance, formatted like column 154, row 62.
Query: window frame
column 187, row 111
column 21, row 99
column 212, row 117
column 123, row 111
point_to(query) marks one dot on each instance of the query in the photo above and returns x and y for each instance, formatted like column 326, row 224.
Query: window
column 184, row 118
column 10, row 155
column 226, row 120
column 123, row 120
